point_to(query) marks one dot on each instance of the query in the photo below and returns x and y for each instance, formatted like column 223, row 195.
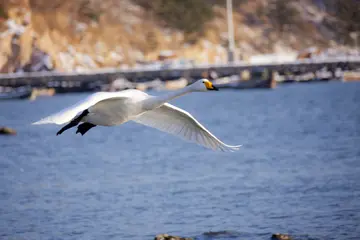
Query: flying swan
column 115, row 108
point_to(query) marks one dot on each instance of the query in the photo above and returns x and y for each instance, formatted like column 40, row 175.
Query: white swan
column 114, row 108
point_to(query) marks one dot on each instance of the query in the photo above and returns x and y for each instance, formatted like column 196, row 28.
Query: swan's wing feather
column 178, row 122
column 69, row 113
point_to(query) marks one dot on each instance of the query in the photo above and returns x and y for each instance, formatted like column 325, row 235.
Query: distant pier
column 95, row 78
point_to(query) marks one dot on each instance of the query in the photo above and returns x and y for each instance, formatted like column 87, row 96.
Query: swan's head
column 203, row 85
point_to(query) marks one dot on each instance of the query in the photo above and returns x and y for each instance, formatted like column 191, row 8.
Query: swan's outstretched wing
column 178, row 122
column 69, row 113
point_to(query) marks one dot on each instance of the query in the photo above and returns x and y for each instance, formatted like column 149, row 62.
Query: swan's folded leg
column 73, row 122
column 84, row 127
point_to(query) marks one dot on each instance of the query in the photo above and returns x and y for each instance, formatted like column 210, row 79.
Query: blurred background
column 289, row 79
column 84, row 35
column 128, row 42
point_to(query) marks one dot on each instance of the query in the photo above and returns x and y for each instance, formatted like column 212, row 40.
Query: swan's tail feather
column 43, row 121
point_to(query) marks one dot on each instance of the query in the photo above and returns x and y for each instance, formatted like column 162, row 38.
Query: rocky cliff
column 82, row 35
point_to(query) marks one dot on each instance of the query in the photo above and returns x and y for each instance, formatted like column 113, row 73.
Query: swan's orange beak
column 210, row 86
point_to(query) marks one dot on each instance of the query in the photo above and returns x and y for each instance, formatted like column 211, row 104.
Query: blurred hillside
column 79, row 35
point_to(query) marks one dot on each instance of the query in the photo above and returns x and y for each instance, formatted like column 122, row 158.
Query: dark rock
column 169, row 237
column 223, row 233
column 7, row 131
column 280, row 236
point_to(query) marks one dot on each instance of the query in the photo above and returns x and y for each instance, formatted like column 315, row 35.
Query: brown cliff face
column 82, row 35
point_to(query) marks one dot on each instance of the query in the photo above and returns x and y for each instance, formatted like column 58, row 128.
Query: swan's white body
column 114, row 108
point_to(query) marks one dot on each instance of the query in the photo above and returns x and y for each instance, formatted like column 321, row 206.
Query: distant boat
column 249, row 84
column 23, row 92
column 257, row 79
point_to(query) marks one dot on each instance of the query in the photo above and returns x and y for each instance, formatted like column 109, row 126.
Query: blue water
column 298, row 171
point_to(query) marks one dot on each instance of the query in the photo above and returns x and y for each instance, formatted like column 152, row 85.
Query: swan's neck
column 157, row 101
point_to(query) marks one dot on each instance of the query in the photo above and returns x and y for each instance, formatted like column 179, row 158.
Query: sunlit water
column 298, row 171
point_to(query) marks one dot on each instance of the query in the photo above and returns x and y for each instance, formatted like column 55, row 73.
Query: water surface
column 298, row 171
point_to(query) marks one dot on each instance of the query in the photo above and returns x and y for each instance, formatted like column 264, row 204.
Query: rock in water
column 280, row 236
column 168, row 237
column 7, row 131
column 222, row 234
